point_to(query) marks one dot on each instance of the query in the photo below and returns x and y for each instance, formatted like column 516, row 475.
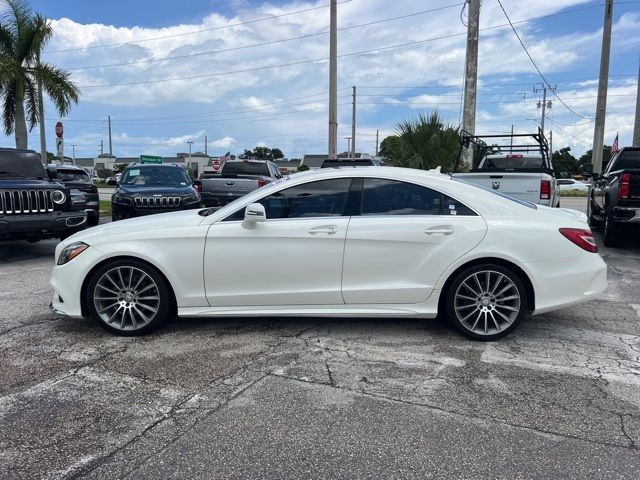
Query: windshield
column 72, row 175
column 170, row 177
column 21, row 165
column 246, row 168
column 511, row 162
column 495, row 192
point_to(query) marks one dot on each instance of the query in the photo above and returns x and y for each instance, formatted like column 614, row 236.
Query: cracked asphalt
column 320, row 398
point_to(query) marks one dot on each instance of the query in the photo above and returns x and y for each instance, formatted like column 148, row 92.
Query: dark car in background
column 77, row 178
column 146, row 189
column 352, row 162
column 33, row 206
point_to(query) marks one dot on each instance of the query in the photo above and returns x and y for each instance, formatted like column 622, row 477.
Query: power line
column 193, row 32
column 316, row 60
column 271, row 42
column 535, row 65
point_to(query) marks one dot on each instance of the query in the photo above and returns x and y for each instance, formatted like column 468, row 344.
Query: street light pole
column 333, row 80
column 73, row 155
column 353, row 125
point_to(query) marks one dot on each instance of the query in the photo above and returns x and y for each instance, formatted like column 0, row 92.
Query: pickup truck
column 521, row 171
column 236, row 179
column 614, row 199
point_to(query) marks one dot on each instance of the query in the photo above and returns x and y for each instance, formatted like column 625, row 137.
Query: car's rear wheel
column 591, row 220
column 128, row 297
column 486, row 302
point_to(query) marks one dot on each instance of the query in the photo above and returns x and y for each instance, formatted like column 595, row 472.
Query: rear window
column 346, row 163
column 246, row 168
column 72, row 175
column 511, row 162
column 628, row 159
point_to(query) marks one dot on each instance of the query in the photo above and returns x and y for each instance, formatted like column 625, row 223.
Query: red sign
column 59, row 130
column 216, row 165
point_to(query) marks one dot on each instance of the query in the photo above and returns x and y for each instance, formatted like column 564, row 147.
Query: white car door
column 403, row 240
column 293, row 258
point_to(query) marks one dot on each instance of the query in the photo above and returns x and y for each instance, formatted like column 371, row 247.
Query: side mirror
column 254, row 213
column 586, row 169
column 52, row 173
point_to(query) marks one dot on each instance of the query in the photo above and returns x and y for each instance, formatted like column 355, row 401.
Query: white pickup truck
column 521, row 171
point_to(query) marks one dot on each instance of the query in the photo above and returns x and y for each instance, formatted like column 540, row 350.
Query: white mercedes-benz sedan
column 368, row 242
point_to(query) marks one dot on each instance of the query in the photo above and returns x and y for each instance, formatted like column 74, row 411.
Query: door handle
column 439, row 230
column 325, row 229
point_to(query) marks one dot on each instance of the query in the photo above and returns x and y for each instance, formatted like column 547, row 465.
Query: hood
column 136, row 228
column 19, row 183
column 563, row 213
column 154, row 190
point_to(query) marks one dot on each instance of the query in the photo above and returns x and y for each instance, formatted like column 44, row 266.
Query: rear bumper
column 16, row 227
column 626, row 214
column 563, row 283
column 217, row 200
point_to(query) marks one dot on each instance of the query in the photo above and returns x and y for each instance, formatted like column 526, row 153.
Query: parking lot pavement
column 318, row 398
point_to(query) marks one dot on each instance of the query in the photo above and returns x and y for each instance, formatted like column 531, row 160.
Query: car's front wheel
column 486, row 302
column 128, row 297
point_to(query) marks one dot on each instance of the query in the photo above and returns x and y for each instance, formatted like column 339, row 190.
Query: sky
column 245, row 73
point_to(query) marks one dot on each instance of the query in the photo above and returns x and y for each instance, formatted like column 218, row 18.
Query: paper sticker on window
column 452, row 206
column 453, row 212
column 134, row 173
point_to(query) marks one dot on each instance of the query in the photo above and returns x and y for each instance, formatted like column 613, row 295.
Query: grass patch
column 573, row 193
column 103, row 185
column 105, row 208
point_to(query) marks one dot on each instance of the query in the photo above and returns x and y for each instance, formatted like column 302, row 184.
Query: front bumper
column 66, row 281
column 122, row 211
column 50, row 225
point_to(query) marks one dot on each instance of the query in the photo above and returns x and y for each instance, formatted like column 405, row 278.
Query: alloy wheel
column 126, row 298
column 487, row 302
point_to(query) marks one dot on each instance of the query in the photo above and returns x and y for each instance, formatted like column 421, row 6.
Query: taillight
column 198, row 186
column 625, row 180
column 582, row 238
column 545, row 189
column 262, row 182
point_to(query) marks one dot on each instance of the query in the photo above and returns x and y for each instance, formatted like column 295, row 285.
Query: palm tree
column 424, row 143
column 23, row 35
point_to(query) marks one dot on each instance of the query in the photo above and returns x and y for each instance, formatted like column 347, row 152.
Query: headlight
column 121, row 199
column 71, row 251
column 58, row 197
column 191, row 198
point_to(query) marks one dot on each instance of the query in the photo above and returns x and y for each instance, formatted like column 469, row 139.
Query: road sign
column 216, row 165
column 150, row 159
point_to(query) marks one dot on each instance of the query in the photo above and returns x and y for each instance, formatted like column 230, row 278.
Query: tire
column 485, row 307
column 593, row 223
column 128, row 297
column 611, row 231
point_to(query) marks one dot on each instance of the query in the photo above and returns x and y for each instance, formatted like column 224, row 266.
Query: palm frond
column 58, row 86
column 9, row 108
column 32, row 103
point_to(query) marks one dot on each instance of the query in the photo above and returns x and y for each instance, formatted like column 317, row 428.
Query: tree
column 263, row 153
column 424, row 143
column 587, row 157
column 23, row 35
column 564, row 163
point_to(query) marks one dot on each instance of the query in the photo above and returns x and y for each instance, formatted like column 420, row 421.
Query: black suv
column 32, row 206
column 145, row 189
column 77, row 178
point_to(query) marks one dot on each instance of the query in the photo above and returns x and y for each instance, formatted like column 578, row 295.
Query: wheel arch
column 531, row 303
column 85, row 283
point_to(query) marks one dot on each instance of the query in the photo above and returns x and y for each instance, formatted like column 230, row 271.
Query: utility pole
column 636, row 126
column 545, row 104
column 205, row 145
column 601, row 106
column 377, row 142
column 511, row 145
column 551, row 144
column 353, row 125
column 110, row 145
column 73, row 156
column 471, row 74
column 333, row 80
column 101, row 147
column 348, row 139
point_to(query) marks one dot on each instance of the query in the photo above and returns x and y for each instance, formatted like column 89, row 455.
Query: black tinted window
column 72, row 175
column 246, row 168
column 391, row 197
column 149, row 176
column 346, row 163
column 626, row 160
column 21, row 164
column 512, row 162
column 326, row 198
